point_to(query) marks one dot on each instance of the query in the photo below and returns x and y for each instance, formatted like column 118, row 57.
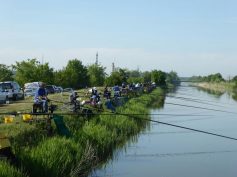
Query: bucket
column 8, row 119
column 27, row 117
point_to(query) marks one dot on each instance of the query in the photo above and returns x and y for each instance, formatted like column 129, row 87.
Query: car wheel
column 7, row 101
column 14, row 98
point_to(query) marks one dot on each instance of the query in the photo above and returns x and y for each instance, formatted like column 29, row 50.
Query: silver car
column 3, row 96
column 12, row 90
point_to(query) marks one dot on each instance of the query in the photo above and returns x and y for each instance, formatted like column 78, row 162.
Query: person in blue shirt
column 41, row 97
column 117, row 92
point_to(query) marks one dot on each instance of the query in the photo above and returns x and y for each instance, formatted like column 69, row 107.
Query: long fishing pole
column 187, row 128
column 194, row 100
column 197, row 107
column 185, row 94
column 147, row 119
column 108, row 113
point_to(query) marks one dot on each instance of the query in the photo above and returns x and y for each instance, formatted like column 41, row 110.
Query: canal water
column 165, row 151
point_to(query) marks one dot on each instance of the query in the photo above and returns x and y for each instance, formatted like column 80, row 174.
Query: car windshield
column 5, row 86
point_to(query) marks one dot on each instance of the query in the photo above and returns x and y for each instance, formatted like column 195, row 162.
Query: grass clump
column 6, row 170
column 54, row 157
column 101, row 138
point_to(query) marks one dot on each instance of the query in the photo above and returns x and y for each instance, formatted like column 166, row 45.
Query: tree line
column 210, row 78
column 77, row 75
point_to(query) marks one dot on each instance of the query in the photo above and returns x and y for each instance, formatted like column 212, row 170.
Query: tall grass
column 54, row 157
column 6, row 170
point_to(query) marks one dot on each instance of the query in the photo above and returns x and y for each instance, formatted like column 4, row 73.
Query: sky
column 191, row 37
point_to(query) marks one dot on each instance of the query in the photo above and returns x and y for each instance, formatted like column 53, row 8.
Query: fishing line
column 180, row 154
column 197, row 107
column 109, row 113
column 194, row 100
column 187, row 128
column 155, row 121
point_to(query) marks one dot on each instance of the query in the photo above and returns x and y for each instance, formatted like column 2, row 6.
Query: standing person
column 41, row 97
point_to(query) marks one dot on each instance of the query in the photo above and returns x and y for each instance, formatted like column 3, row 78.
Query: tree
column 5, row 73
column 172, row 77
column 74, row 75
column 146, row 76
column 158, row 77
column 114, row 79
column 32, row 70
column 234, row 79
column 117, row 77
column 96, row 74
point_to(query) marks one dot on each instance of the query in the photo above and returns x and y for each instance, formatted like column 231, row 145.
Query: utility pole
column 97, row 56
column 113, row 67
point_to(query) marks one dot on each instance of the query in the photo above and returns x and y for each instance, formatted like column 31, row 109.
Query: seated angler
column 117, row 92
column 41, row 97
column 107, row 93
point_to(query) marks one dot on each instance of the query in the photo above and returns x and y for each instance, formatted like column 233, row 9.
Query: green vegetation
column 92, row 142
column 210, row 78
column 216, row 83
column 6, row 170
column 5, row 73
column 96, row 74
column 32, row 70
column 73, row 75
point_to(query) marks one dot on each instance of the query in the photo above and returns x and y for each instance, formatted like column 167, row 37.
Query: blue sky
column 195, row 37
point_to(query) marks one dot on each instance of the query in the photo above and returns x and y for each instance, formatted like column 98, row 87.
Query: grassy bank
column 220, row 87
column 92, row 141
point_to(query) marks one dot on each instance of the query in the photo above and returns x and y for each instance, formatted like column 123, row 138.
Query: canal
column 165, row 151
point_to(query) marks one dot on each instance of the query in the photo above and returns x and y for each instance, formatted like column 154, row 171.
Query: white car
column 12, row 90
column 30, row 91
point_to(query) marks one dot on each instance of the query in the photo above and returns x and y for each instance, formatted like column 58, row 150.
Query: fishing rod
column 109, row 113
column 187, row 128
column 197, row 107
column 196, row 100
column 193, row 100
column 185, row 94
column 147, row 119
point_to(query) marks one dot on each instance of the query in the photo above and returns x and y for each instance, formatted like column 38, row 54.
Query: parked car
column 3, row 96
column 50, row 88
column 12, row 90
column 31, row 88
column 60, row 89
column 70, row 90
column 30, row 91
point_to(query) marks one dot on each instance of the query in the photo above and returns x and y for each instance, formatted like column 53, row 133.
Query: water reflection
column 215, row 93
